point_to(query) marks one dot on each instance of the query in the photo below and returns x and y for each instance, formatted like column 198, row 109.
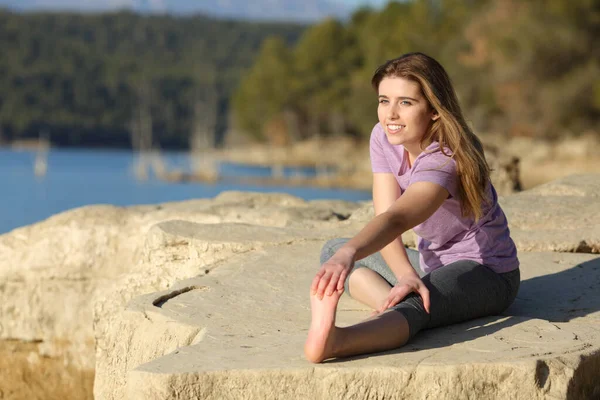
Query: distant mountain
column 298, row 10
column 293, row 10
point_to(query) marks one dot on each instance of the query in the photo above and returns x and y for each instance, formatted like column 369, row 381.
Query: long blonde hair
column 449, row 130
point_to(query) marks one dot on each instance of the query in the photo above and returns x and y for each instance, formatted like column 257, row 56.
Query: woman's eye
column 382, row 101
column 406, row 103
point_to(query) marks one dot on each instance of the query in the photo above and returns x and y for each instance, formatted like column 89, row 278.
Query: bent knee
column 359, row 274
column 360, row 277
column 330, row 247
column 357, row 277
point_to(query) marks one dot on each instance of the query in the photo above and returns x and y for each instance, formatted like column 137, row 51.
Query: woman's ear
column 435, row 116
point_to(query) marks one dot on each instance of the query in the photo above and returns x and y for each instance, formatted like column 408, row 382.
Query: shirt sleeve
column 378, row 161
column 437, row 168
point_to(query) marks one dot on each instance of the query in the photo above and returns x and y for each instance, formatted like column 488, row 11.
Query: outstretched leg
column 385, row 331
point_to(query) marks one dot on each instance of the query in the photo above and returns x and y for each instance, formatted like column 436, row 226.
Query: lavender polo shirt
column 446, row 236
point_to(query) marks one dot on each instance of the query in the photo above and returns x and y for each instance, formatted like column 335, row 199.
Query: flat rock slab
column 174, row 251
column 562, row 216
column 51, row 271
column 242, row 328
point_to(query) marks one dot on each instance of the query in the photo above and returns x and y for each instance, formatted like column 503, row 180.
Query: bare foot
column 320, row 341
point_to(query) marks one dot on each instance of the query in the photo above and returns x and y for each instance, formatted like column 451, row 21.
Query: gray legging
column 458, row 292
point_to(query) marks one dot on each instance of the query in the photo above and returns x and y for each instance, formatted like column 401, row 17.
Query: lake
column 81, row 177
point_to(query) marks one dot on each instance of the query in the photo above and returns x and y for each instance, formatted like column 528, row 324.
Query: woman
column 430, row 174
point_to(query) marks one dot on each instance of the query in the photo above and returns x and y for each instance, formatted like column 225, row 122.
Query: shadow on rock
column 562, row 296
column 557, row 297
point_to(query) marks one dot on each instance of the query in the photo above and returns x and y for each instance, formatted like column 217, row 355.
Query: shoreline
column 541, row 161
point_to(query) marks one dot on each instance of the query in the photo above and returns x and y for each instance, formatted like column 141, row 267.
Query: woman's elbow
column 399, row 221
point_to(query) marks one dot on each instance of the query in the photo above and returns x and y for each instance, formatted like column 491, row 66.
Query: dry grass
column 26, row 375
column 541, row 160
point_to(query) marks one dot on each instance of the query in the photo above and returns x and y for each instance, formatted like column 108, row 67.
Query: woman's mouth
column 393, row 129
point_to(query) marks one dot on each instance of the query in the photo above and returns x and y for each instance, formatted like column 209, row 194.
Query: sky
column 86, row 5
column 356, row 3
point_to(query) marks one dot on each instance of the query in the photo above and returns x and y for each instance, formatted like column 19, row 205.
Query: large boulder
column 51, row 271
column 237, row 328
column 238, row 332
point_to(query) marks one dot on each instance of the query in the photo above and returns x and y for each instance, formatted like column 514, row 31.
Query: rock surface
column 237, row 330
column 51, row 271
column 208, row 298
column 563, row 215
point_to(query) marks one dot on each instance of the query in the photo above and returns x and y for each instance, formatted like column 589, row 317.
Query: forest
column 521, row 68
column 95, row 79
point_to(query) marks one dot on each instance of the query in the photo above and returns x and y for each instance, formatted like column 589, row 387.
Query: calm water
column 81, row 177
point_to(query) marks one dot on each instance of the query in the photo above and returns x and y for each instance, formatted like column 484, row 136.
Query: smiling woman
column 430, row 174
column 404, row 113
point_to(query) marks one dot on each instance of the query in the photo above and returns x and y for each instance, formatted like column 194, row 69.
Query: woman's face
column 404, row 112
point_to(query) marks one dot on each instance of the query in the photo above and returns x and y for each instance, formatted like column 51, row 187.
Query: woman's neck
column 411, row 158
column 413, row 151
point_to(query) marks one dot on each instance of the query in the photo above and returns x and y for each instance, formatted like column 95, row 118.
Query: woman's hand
column 333, row 273
column 403, row 288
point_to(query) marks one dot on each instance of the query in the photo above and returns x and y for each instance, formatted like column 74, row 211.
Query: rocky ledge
column 209, row 299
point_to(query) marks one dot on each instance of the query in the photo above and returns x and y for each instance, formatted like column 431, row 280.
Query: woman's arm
column 417, row 203
column 385, row 192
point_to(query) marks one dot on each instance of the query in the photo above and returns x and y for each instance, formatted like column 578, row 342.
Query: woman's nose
column 393, row 112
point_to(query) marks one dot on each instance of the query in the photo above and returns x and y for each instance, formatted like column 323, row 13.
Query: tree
column 266, row 92
column 78, row 75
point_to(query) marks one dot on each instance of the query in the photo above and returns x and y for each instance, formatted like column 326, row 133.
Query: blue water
column 81, row 177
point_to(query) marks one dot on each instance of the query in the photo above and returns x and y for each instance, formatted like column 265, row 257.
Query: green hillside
column 529, row 68
column 89, row 80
